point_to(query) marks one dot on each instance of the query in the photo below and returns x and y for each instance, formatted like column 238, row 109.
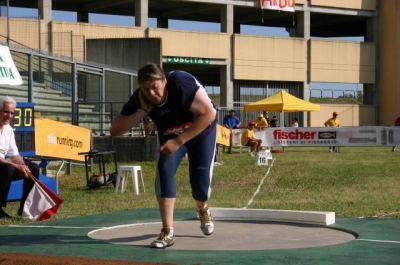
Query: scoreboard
column 23, row 124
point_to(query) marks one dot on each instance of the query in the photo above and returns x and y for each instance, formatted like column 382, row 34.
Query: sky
column 317, row 89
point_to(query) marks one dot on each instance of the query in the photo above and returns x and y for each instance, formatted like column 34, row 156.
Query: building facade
column 247, row 67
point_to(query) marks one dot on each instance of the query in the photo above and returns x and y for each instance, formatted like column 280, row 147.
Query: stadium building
column 328, row 41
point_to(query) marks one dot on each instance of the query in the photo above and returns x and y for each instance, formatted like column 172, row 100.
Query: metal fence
column 68, row 45
column 335, row 93
column 52, row 85
column 51, row 73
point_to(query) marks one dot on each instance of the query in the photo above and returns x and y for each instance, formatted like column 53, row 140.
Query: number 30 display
column 24, row 128
column 23, row 117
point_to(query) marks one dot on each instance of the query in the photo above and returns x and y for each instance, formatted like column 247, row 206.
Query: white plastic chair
column 122, row 178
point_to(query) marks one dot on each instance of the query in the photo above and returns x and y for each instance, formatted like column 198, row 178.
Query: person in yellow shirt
column 249, row 140
column 151, row 128
column 332, row 122
column 261, row 123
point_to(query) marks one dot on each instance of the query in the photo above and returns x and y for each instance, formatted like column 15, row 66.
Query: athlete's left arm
column 203, row 109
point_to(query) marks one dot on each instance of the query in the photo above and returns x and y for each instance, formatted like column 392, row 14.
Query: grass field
column 357, row 182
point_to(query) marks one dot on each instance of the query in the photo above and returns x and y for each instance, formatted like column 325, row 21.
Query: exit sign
column 187, row 60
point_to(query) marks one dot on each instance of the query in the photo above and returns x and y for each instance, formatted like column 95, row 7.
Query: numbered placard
column 263, row 157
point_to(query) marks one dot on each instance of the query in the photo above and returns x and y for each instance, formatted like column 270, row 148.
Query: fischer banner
column 282, row 5
column 325, row 136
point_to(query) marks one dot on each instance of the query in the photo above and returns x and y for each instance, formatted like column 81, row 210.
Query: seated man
column 13, row 168
column 248, row 139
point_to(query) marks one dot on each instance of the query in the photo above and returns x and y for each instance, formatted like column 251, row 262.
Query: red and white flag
column 41, row 203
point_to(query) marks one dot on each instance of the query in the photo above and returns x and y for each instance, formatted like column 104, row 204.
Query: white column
column 226, row 72
column 142, row 14
column 44, row 9
column 303, row 31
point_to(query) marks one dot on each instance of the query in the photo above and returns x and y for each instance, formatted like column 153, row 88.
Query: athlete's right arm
column 122, row 124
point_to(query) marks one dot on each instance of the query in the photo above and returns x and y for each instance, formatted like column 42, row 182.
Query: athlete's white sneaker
column 164, row 239
column 206, row 220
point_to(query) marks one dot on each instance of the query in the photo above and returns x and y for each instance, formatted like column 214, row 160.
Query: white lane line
column 259, row 186
column 84, row 227
column 391, row 213
column 381, row 241
column 62, row 227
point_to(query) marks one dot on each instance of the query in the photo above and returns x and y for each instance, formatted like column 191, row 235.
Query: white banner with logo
column 325, row 136
column 282, row 5
column 9, row 74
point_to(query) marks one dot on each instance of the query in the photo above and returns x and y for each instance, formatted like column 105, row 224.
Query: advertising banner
column 282, row 5
column 61, row 140
column 326, row 136
column 9, row 74
column 223, row 135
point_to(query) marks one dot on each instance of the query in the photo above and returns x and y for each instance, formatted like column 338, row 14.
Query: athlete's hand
column 169, row 147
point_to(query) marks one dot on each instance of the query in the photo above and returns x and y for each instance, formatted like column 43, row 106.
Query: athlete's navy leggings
column 201, row 163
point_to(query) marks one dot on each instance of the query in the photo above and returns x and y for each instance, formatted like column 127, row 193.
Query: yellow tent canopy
column 282, row 102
